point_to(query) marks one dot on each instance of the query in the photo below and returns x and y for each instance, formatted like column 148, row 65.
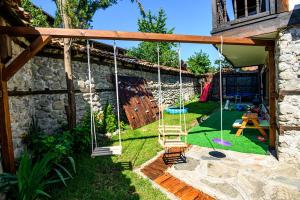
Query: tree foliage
column 224, row 63
column 152, row 23
column 199, row 63
column 81, row 12
column 38, row 18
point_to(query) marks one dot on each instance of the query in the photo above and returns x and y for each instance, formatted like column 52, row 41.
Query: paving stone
column 190, row 165
column 225, row 188
column 240, row 176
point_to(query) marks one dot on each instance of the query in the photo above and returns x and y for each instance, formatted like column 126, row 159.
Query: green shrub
column 32, row 179
column 39, row 144
column 109, row 122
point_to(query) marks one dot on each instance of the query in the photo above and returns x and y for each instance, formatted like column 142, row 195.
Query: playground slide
column 205, row 91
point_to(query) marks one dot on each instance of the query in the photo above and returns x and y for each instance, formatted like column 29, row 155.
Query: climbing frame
column 138, row 103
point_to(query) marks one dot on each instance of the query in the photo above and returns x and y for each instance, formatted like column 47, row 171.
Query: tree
column 224, row 63
column 77, row 14
column 199, row 63
column 148, row 50
column 38, row 19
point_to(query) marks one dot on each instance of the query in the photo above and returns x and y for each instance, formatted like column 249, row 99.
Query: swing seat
column 107, row 151
column 169, row 143
column 170, row 136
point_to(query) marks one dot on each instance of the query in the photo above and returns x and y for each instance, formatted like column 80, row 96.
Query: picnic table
column 244, row 123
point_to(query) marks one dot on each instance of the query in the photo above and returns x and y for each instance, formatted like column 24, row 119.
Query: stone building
column 276, row 20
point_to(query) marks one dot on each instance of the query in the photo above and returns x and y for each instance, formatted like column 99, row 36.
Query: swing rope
column 181, row 99
column 92, row 117
column 221, row 85
column 117, row 92
column 166, row 131
column 101, row 151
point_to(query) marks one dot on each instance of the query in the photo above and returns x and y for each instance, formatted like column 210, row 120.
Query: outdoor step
column 178, row 187
column 162, row 178
column 168, row 183
column 183, row 191
column 193, row 194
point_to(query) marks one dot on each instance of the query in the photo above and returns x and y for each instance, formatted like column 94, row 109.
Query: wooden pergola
column 42, row 36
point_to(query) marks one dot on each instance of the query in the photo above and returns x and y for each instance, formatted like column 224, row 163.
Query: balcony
column 235, row 17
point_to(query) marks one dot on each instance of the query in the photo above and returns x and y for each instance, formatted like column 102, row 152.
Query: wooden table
column 250, row 117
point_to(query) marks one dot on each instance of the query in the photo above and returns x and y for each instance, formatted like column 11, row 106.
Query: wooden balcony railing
column 230, row 11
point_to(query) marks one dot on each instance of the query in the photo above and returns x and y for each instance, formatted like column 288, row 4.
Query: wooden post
column 272, row 97
column 225, row 11
column 257, row 7
column 235, row 9
column 272, row 6
column 7, row 149
column 246, row 8
column 214, row 14
column 71, row 108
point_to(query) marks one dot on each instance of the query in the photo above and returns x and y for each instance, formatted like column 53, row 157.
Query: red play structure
column 205, row 92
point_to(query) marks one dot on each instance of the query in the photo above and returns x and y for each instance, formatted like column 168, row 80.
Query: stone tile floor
column 239, row 175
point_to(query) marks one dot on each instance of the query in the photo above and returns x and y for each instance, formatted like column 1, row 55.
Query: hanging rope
column 181, row 99
column 221, row 85
column 92, row 118
column 117, row 92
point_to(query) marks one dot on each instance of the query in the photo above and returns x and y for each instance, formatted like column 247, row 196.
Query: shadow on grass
column 98, row 178
column 202, row 108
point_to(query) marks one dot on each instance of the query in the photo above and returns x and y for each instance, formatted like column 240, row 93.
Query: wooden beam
column 132, row 36
column 235, row 9
column 272, row 97
column 25, row 56
column 5, row 42
column 288, row 128
column 257, row 6
column 7, row 149
column 214, row 13
column 246, row 8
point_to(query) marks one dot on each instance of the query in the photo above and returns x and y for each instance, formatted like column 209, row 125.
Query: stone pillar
column 288, row 87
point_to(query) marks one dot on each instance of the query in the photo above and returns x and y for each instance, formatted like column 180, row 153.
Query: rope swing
column 171, row 135
column 109, row 150
column 218, row 140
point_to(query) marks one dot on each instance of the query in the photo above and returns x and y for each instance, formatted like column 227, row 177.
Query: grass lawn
column 112, row 177
column 203, row 134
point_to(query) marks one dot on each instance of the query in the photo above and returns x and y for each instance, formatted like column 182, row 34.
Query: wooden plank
column 214, row 13
column 133, row 36
column 7, row 149
column 162, row 178
column 272, row 97
column 25, row 56
column 5, row 42
column 193, row 194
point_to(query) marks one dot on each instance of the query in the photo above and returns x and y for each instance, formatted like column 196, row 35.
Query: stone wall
column 288, row 78
column 44, row 81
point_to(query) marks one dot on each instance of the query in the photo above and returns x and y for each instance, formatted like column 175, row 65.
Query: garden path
column 238, row 175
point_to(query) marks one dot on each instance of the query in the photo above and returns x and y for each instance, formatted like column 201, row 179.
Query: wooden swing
column 102, row 150
column 170, row 136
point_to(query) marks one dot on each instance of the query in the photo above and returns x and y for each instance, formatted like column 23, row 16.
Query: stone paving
column 238, row 175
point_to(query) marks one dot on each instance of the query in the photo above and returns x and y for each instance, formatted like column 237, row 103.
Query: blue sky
column 188, row 17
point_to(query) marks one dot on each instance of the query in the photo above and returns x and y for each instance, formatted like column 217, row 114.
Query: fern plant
column 32, row 179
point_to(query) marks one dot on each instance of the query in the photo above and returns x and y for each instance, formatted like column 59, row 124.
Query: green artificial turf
column 203, row 134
